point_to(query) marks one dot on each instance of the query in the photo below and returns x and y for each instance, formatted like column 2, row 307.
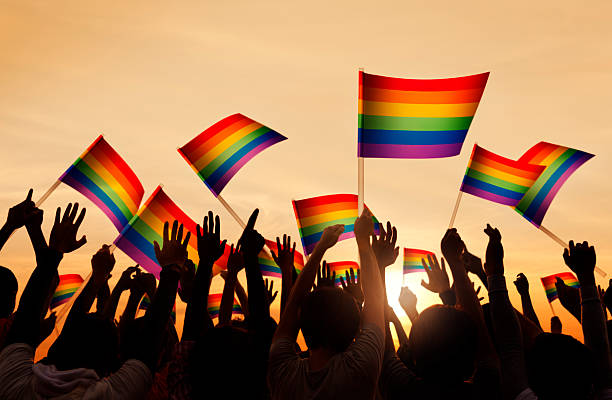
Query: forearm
column 197, row 319
column 399, row 328
column 31, row 310
column 258, row 307
column 286, row 283
column 528, row 310
column 243, row 299
column 37, row 238
column 508, row 337
column 129, row 313
column 412, row 313
column 227, row 299
column 595, row 332
column 110, row 308
column 5, row 233
column 373, row 289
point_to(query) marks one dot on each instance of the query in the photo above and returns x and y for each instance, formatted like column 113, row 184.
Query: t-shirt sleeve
column 132, row 381
column 16, row 361
column 282, row 354
column 365, row 355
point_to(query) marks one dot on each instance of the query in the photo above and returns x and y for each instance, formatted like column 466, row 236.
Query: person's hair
column 86, row 342
column 8, row 292
column 329, row 318
column 443, row 341
column 560, row 367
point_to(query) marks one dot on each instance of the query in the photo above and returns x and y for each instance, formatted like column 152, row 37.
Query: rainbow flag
column 214, row 304
column 315, row 214
column 341, row 268
column 102, row 176
column 498, row 179
column 68, row 285
column 136, row 239
column 269, row 267
column 549, row 284
column 145, row 303
column 412, row 260
column 560, row 162
column 219, row 152
column 416, row 118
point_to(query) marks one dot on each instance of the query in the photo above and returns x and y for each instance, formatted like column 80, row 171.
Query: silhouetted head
column 224, row 358
column 329, row 319
column 8, row 292
column 87, row 342
column 443, row 341
column 560, row 367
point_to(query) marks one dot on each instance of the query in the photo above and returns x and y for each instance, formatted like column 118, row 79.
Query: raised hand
column 326, row 277
column 174, row 249
column 20, row 214
column 364, row 226
column 210, row 246
column 186, row 280
column 102, row 263
column 251, row 242
column 270, row 293
column 352, row 284
column 522, row 284
column 452, row 247
column 569, row 297
column 63, row 234
column 607, row 297
column 330, row 236
column 438, row 278
column 384, row 246
column 494, row 264
column 286, row 255
column 408, row 301
column 581, row 259
column 143, row 283
column 555, row 325
column 127, row 278
column 235, row 261
column 480, row 298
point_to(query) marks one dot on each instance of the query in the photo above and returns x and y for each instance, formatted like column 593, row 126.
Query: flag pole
column 565, row 246
column 231, row 211
column 452, row 220
column 552, row 309
column 360, row 166
column 48, row 193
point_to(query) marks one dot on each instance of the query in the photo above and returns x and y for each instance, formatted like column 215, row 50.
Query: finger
column 425, row 285
column 343, row 283
column 29, row 196
column 333, row 277
column 278, row 244
column 217, row 227
column 274, row 256
column 81, row 242
column 187, row 237
column 157, row 249
column 271, row 285
column 352, row 276
column 211, row 222
column 198, row 231
column 252, row 219
column 232, row 249
column 389, row 232
column 382, row 232
column 394, row 237
column 174, row 231
column 79, row 220
column 358, row 276
column 179, row 235
column 293, row 253
column 205, row 225
column 444, row 267
column 284, row 241
column 165, row 235
column 425, row 266
column 274, row 296
column 67, row 212
column 74, row 211
column 57, row 216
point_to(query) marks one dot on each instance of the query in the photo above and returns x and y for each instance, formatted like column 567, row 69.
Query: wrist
column 363, row 241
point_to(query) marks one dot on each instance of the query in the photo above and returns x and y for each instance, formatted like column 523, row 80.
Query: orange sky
column 150, row 76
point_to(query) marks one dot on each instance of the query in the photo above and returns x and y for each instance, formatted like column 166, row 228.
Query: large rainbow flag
column 341, row 268
column 416, row 118
column 560, row 162
column 315, row 214
column 214, row 305
column 219, row 152
column 498, row 179
column 102, row 176
column 136, row 239
column 270, row 268
column 412, row 260
column 68, row 285
column 549, row 284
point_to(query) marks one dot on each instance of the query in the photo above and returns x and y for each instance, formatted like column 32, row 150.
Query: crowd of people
column 459, row 349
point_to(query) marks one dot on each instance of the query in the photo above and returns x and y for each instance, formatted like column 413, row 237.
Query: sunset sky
column 152, row 75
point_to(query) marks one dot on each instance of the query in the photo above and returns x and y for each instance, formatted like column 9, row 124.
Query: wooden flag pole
column 360, row 166
column 48, row 193
column 452, row 220
column 565, row 246
column 552, row 309
column 231, row 211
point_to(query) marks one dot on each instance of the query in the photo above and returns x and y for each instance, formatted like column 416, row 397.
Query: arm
column 288, row 326
column 210, row 248
column 569, row 297
column 234, row 265
column 124, row 283
column 580, row 258
column 408, row 301
column 399, row 329
column 522, row 286
column 285, row 260
column 385, row 250
column 252, row 243
column 505, row 322
column 18, row 216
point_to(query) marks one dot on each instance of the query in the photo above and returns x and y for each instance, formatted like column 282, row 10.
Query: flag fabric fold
column 68, row 285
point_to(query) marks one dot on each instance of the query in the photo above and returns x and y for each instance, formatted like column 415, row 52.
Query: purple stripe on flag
column 489, row 196
column 141, row 258
column 376, row 150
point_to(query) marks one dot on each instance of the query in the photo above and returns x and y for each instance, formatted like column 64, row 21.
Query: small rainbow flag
column 341, row 268
column 412, row 260
column 549, row 283
column 269, row 267
column 136, row 239
column 219, row 152
column 102, row 176
column 416, row 118
column 315, row 214
column 498, row 179
column 560, row 162
column 68, row 285
column 214, row 304
column 145, row 303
